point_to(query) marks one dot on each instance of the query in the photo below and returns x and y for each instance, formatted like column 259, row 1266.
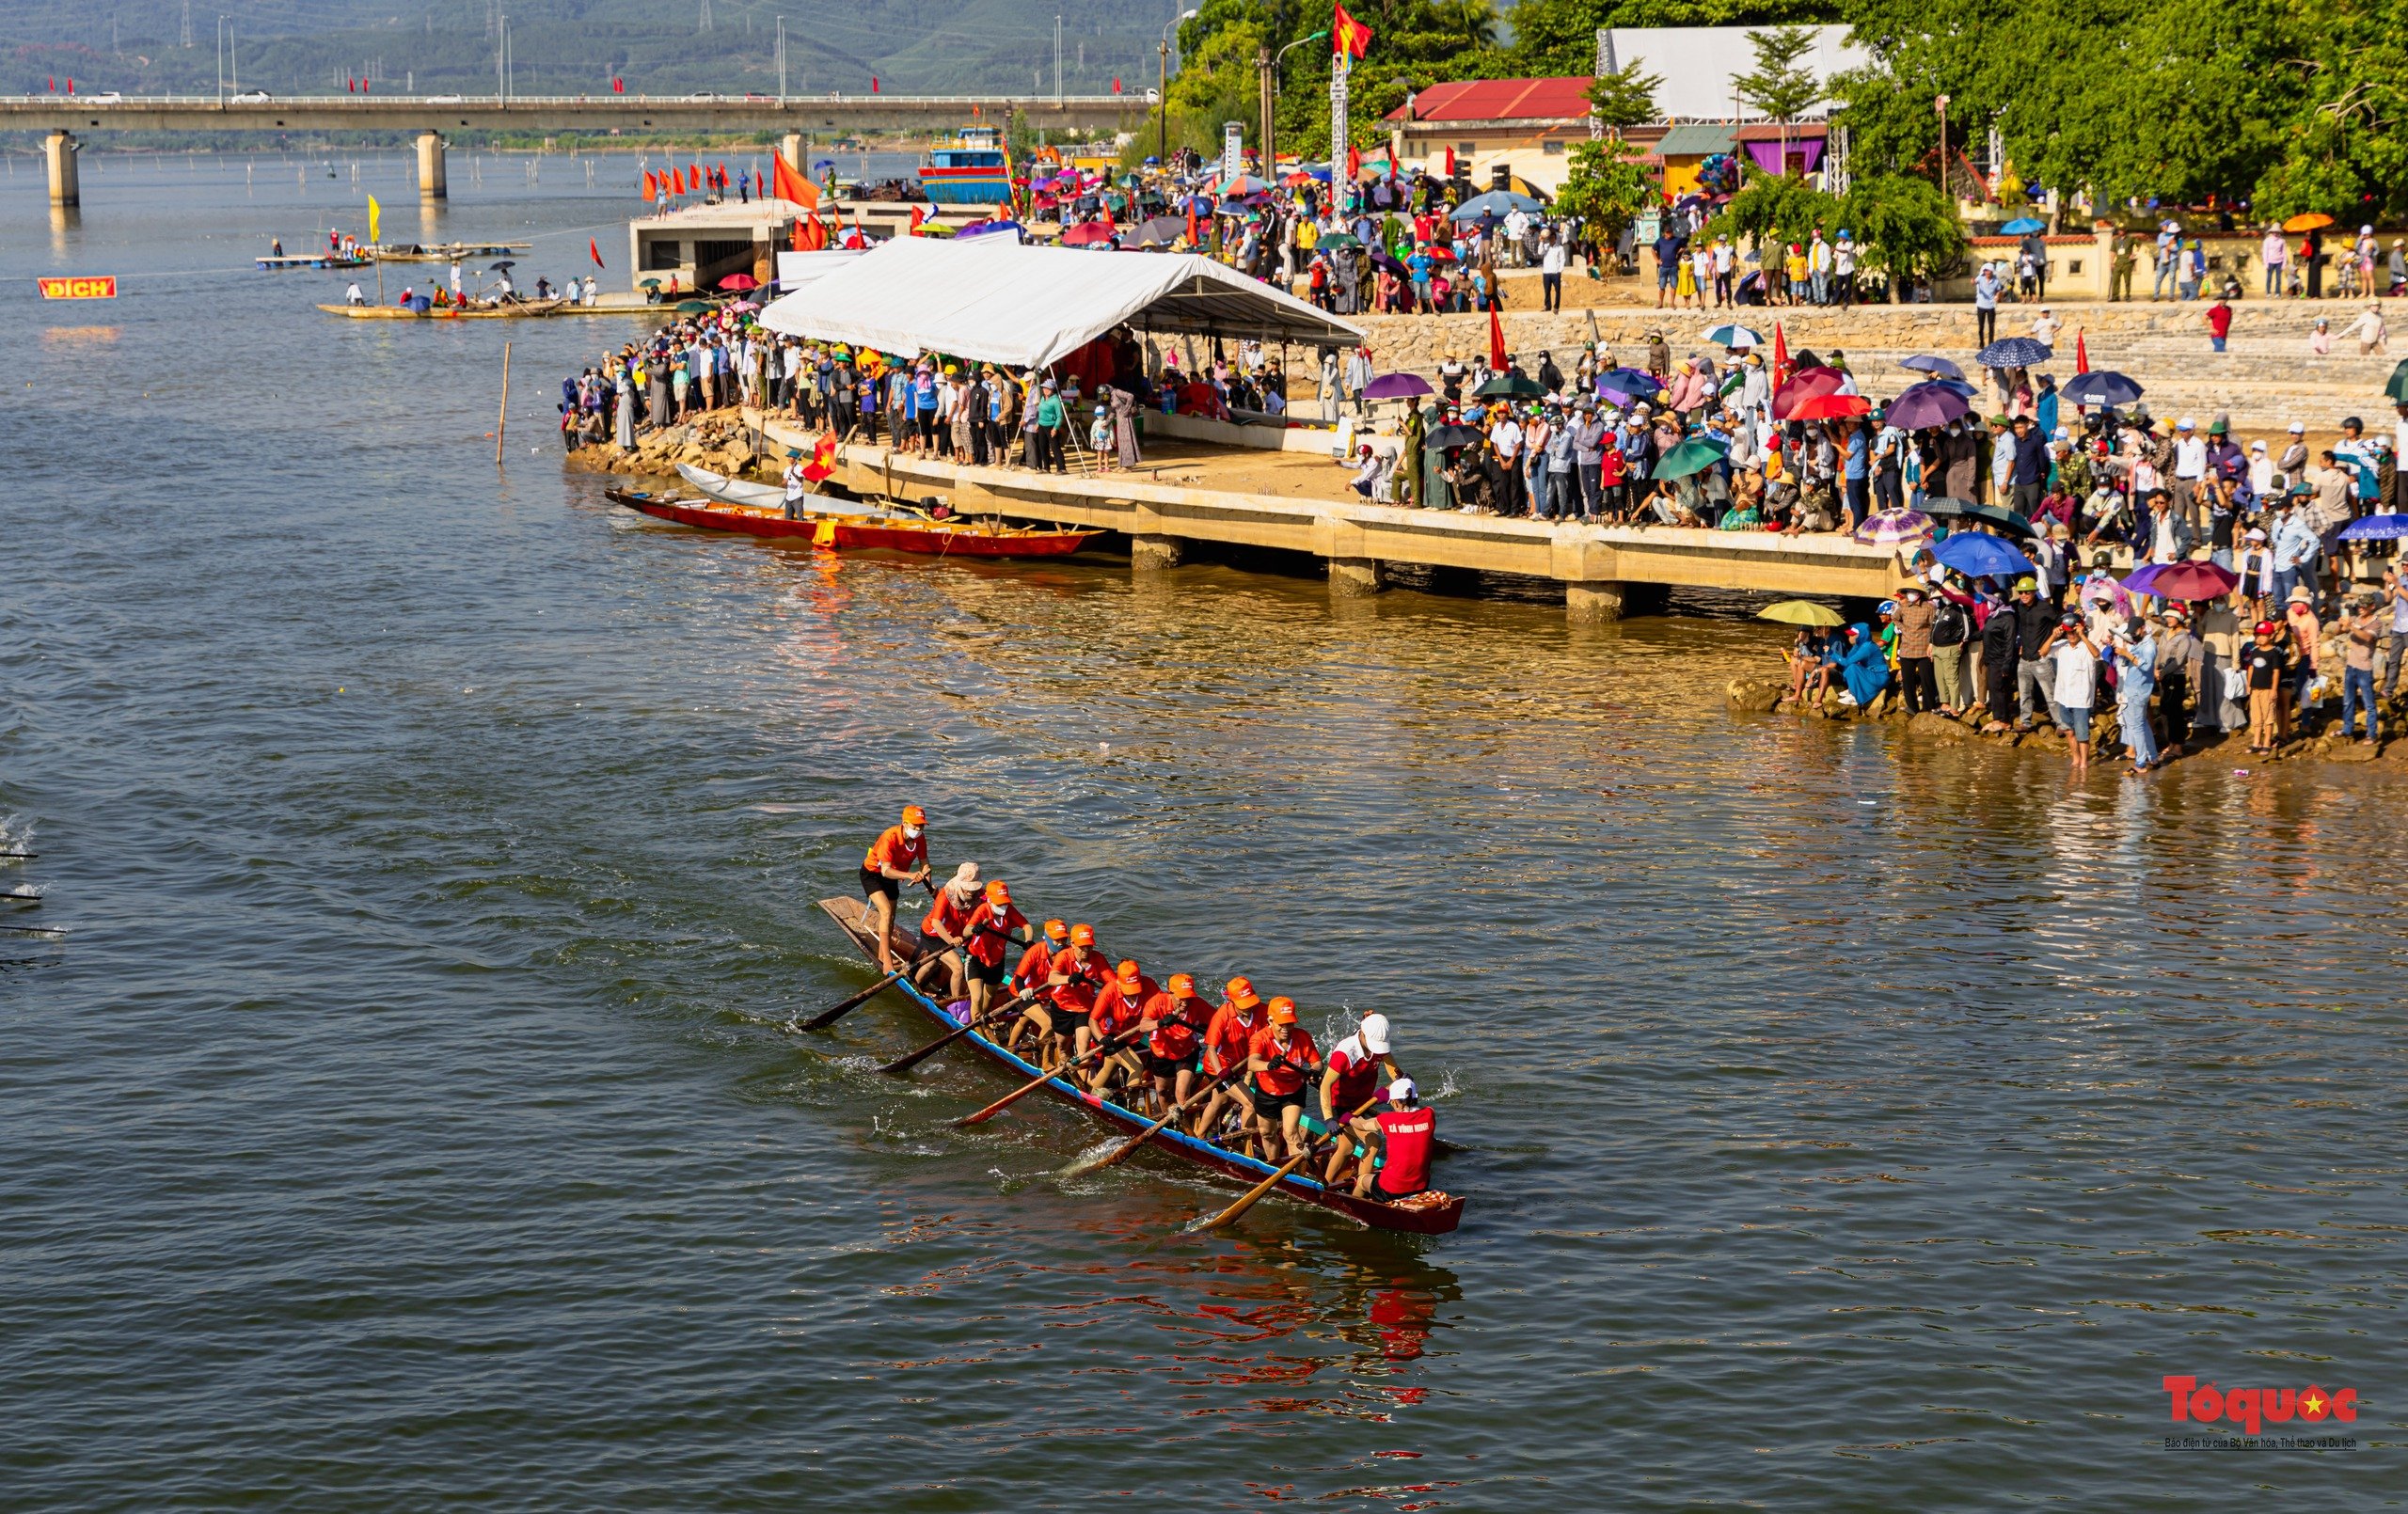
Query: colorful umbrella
column 1889, row 527
column 1808, row 384
column 1829, row 407
column 2023, row 226
column 1734, row 336
column 1921, row 406
column 1980, row 555
column 1801, row 613
column 1934, row 364
column 2186, row 581
column 1695, row 455
column 2308, row 221
column 2014, row 352
column 2102, row 386
column 1087, row 233
column 1396, row 387
column 739, row 282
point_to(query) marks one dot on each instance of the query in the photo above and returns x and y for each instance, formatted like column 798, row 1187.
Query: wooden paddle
column 1121, row 1153
column 1231, row 1214
column 835, row 1012
column 1042, row 1078
column 19, row 857
column 911, row 1059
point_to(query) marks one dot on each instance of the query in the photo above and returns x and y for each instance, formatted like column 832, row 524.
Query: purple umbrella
column 1927, row 363
column 1630, row 384
column 1921, row 406
column 1396, row 387
column 2186, row 581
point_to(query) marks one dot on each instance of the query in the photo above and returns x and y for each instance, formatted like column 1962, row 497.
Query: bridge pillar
column 58, row 152
column 1156, row 552
column 1595, row 603
column 429, row 167
column 1354, row 577
column 790, row 148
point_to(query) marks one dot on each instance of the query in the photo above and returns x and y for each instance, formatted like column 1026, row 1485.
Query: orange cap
column 914, row 816
column 999, row 893
column 1082, row 936
column 1056, row 931
column 1243, row 995
column 1283, row 1012
column 1129, row 973
column 1182, row 985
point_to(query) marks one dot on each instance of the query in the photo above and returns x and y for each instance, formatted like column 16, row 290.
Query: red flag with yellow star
column 1348, row 36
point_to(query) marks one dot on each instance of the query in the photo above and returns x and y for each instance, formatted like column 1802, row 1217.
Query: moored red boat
column 896, row 533
column 1440, row 1214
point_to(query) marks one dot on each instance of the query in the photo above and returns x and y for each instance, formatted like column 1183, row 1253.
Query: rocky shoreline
column 1761, row 696
column 718, row 440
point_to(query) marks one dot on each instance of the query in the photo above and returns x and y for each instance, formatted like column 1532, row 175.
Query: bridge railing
column 109, row 99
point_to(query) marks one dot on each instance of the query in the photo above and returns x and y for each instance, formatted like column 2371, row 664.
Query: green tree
column 1903, row 228
column 1560, row 37
column 1624, row 98
column 1779, row 86
column 1605, row 187
column 1775, row 208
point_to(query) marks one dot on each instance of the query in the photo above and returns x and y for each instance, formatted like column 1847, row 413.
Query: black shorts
column 932, row 947
column 1166, row 1066
column 985, row 972
column 874, row 883
column 1267, row 1104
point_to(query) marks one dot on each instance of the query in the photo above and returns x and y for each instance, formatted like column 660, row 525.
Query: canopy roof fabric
column 1029, row 306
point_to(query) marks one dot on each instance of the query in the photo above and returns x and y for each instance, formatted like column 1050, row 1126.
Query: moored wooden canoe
column 1436, row 1220
column 935, row 538
column 522, row 310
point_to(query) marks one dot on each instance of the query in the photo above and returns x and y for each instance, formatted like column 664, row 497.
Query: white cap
column 1401, row 1092
column 2299, row 428
column 1375, row 1032
column 2185, row 424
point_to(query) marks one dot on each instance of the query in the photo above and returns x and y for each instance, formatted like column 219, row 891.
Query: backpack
column 1950, row 625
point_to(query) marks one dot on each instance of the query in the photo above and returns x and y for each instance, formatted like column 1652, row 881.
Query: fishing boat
column 968, row 171
column 1435, row 1215
column 515, row 311
column 280, row 262
column 895, row 533
column 443, row 252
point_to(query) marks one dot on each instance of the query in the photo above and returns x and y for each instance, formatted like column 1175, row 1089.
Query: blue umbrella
column 1980, row 555
column 1928, row 363
column 2023, row 226
column 1631, row 384
column 2014, row 352
column 2376, row 528
column 2100, row 387
column 1496, row 202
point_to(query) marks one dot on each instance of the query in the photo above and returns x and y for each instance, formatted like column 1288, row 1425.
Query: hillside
column 576, row 46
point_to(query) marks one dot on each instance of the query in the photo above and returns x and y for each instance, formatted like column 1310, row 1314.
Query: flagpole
column 1339, row 67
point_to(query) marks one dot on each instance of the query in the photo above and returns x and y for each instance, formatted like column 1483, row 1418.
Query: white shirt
column 2045, row 330
column 2077, row 679
column 2190, row 458
column 1551, row 261
column 1722, row 257
column 1506, row 436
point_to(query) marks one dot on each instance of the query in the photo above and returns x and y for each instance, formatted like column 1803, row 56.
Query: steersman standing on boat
column 897, row 859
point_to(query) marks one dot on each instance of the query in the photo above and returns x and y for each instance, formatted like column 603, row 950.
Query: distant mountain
column 576, row 46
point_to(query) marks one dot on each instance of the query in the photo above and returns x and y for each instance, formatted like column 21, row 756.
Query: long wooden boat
column 1434, row 1220
column 442, row 252
column 517, row 310
column 279, row 263
column 929, row 538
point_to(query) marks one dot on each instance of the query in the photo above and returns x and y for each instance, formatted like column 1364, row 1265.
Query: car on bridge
column 253, row 97
column 443, row 100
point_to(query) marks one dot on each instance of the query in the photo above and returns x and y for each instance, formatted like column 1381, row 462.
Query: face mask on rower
column 911, row 832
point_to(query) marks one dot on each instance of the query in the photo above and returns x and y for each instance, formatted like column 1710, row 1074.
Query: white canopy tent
column 1030, row 307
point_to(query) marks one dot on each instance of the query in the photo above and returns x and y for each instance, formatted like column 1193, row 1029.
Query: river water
column 407, row 1118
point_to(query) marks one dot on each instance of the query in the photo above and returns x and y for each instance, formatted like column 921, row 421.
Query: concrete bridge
column 61, row 117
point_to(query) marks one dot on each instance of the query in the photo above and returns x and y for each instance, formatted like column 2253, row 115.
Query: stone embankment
column 718, row 441
column 1758, row 696
column 2266, row 380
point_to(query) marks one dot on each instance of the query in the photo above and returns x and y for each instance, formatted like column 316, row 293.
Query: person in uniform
column 1357, row 1069
column 1281, row 1057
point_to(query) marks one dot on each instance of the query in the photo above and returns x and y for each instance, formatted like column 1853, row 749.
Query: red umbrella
column 1087, row 233
column 1829, row 407
column 1807, row 384
column 739, row 281
column 2192, row 581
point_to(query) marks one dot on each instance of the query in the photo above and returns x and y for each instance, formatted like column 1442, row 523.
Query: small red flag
column 1496, row 340
column 1779, row 356
column 873, row 84
column 595, row 247
column 2080, row 355
column 1353, row 162
column 694, row 176
column 618, row 85
column 915, row 221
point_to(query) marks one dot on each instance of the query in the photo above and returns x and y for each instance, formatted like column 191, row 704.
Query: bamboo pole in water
column 503, row 426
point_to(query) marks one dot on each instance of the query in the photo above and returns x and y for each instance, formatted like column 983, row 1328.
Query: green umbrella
column 693, row 307
column 2397, row 390
column 647, row 283
column 1335, row 241
column 1510, row 384
column 1695, row 455
column 1801, row 613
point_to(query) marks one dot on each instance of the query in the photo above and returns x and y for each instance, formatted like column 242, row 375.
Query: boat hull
column 527, row 311
column 933, row 538
column 1436, row 1221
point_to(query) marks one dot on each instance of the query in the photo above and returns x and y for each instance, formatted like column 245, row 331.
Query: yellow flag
column 375, row 213
column 825, row 534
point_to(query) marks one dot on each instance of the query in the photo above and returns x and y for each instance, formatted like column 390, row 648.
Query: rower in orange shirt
column 1120, row 1006
column 1074, row 978
column 1175, row 1024
column 941, row 927
column 898, row 856
column 987, row 939
column 1281, row 1056
column 1037, row 963
column 1227, row 1041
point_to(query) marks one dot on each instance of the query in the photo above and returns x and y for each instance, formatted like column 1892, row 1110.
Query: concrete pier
column 58, row 151
column 790, row 148
column 1607, row 571
column 429, row 167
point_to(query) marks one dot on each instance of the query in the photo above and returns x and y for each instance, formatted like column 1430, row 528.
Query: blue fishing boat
column 970, row 169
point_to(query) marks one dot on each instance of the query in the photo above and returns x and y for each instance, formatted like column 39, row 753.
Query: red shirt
column 1035, row 965
column 946, row 917
column 1229, row 1036
column 1358, row 1076
column 1115, row 1009
column 1084, row 966
column 1280, row 1078
column 1404, row 1166
column 990, row 932
column 2220, row 320
column 1178, row 1024
column 893, row 849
